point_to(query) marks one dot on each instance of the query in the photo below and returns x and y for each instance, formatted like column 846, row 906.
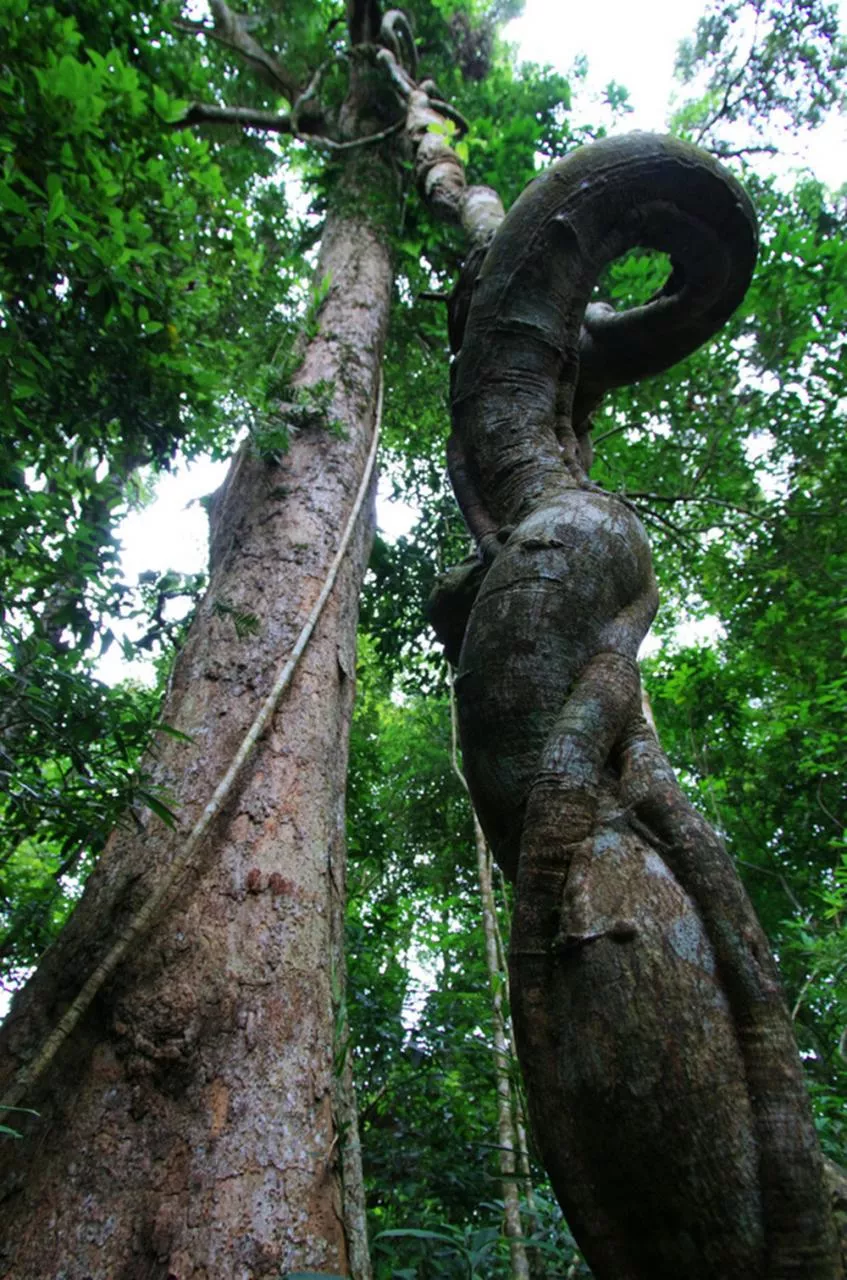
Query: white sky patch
column 394, row 517
column 171, row 533
column 423, row 970
column 148, row 536
column 759, row 446
column 634, row 45
column 773, row 478
column 698, row 632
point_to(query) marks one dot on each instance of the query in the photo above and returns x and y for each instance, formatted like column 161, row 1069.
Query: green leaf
column 57, row 206
column 10, row 200
column 174, row 733
column 161, row 810
column 415, row 1233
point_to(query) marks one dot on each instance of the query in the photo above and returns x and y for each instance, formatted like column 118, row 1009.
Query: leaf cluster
column 763, row 64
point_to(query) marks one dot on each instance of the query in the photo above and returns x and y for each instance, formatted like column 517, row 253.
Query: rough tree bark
column 503, row 1063
column 198, row 1121
column 195, row 1111
column 664, row 1085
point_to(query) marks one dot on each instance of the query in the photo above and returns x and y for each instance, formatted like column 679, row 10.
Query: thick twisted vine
column 663, row 1081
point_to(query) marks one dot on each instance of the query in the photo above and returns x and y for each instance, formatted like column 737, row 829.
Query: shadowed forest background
column 156, row 297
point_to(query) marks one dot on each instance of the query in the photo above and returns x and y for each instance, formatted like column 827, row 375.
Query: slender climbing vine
column 186, row 859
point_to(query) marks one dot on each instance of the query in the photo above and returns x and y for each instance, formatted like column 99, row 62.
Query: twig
column 801, row 995
column 702, row 499
column 312, row 91
column 777, row 875
column 725, row 106
column 735, row 153
column 613, row 431
column 353, row 142
column 681, row 535
column 839, row 826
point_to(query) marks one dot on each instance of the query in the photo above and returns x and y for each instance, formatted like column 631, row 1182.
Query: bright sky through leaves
column 633, row 45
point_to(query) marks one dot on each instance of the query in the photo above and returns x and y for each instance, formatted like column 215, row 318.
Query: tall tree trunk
column 511, row 1141
column 503, row 1060
column 198, row 1121
column 535, row 1258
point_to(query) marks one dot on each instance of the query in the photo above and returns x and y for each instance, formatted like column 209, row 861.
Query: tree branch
column 613, row 431
column 232, row 29
column 253, row 118
column 247, row 117
column 735, row 153
column 354, row 142
column 681, row 536
column 724, row 111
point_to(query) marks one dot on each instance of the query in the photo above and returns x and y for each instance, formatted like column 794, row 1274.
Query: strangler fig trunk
column 663, row 1082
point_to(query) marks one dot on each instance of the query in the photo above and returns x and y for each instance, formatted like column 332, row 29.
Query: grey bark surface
column 664, row 1086
column 196, row 1123
column 509, row 1145
column 506, row 1134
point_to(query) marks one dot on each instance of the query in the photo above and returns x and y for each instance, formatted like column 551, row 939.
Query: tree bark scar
column 661, row 1073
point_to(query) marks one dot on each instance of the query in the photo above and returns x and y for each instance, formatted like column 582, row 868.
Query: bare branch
column 193, row 28
column 454, row 744
column 254, row 118
column 355, row 142
column 789, row 893
column 311, row 94
column 836, row 822
column 613, row 431
column 681, row 536
column 735, row 153
column 726, row 106
column 247, row 117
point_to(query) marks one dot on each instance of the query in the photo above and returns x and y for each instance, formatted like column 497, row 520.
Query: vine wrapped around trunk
column 663, row 1081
